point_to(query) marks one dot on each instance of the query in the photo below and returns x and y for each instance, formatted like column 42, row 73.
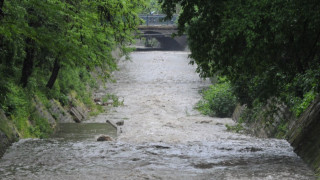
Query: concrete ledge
column 116, row 124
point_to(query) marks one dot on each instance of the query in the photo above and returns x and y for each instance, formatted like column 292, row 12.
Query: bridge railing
column 157, row 19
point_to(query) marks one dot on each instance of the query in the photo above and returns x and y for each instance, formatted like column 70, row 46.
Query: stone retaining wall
column 8, row 135
column 302, row 133
column 305, row 135
column 55, row 114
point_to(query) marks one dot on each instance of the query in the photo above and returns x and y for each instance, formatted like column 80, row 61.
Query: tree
column 153, row 6
column 39, row 39
column 261, row 46
column 1, row 11
column 68, row 34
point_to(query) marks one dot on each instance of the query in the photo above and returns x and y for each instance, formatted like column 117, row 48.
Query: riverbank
column 160, row 91
column 277, row 121
column 42, row 121
column 36, row 114
column 8, row 135
column 163, row 136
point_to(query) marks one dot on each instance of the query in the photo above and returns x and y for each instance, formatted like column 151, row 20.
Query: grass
column 115, row 100
column 236, row 128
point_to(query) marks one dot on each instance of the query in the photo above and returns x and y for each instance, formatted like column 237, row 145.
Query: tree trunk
column 1, row 9
column 28, row 62
column 54, row 74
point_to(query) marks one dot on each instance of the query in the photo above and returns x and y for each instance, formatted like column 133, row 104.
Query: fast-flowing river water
column 163, row 137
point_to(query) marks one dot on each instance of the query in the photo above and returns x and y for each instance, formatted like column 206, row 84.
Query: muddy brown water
column 163, row 137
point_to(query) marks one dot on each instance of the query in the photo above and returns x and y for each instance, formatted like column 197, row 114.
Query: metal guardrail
column 157, row 19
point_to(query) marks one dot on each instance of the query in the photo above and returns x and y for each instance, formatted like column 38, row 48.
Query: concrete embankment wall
column 305, row 136
column 54, row 113
column 8, row 135
column 302, row 133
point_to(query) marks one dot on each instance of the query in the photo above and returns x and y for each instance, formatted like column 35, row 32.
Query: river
column 163, row 137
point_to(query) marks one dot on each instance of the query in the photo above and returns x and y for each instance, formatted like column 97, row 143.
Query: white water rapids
column 163, row 137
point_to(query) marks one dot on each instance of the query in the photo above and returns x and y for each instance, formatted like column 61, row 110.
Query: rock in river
column 104, row 138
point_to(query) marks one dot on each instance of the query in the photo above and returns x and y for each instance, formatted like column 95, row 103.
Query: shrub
column 218, row 100
column 301, row 105
column 115, row 100
column 40, row 126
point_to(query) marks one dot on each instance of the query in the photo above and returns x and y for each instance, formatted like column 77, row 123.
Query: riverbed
column 163, row 136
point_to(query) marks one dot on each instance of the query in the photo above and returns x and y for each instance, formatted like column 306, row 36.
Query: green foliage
column 6, row 127
column 17, row 101
column 271, row 116
column 39, row 126
column 251, row 115
column 115, row 100
column 96, row 111
column 302, row 104
column 44, row 36
column 59, row 43
column 43, row 99
column 218, row 100
column 153, row 6
column 236, row 128
column 282, row 130
column 265, row 48
column 21, row 111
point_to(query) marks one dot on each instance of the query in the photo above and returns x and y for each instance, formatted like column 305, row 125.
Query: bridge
column 156, row 27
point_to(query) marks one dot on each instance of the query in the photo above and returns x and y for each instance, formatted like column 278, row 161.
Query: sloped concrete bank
column 302, row 133
column 304, row 136
column 54, row 114
column 8, row 135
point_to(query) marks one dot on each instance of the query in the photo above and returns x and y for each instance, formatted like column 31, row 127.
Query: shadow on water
column 178, row 43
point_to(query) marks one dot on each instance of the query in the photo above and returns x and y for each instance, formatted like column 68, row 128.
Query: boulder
column 109, row 102
column 120, row 123
column 104, row 138
column 97, row 101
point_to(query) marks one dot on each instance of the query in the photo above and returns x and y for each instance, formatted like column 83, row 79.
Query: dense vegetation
column 153, row 7
column 218, row 100
column 268, row 49
column 48, row 50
